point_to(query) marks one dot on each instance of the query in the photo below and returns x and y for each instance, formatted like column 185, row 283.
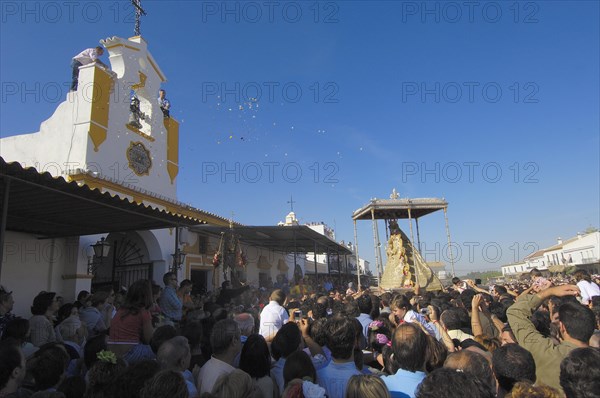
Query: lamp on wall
column 101, row 249
column 178, row 259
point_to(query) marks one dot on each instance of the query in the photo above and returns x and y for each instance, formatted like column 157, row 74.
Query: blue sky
column 494, row 108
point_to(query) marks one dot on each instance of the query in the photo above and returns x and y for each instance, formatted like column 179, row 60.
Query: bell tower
column 111, row 133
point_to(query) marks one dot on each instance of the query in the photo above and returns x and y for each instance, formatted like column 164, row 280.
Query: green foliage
column 484, row 276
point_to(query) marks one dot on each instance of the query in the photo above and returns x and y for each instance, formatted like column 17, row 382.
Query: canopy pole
column 356, row 254
column 418, row 236
column 315, row 260
column 412, row 239
column 449, row 241
column 377, row 246
column 3, row 221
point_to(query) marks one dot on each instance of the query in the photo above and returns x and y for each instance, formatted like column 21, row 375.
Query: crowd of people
column 534, row 338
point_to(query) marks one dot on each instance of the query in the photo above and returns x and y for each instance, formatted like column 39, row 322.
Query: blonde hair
column 366, row 386
column 525, row 389
column 237, row 384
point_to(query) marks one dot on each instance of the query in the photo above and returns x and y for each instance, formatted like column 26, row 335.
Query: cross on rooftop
column 139, row 11
column 291, row 202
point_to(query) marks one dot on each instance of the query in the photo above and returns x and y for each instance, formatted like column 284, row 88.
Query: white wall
column 31, row 265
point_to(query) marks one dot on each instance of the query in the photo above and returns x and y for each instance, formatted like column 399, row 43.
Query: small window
column 202, row 244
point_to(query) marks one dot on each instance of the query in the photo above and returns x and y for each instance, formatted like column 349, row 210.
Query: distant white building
column 345, row 264
column 581, row 251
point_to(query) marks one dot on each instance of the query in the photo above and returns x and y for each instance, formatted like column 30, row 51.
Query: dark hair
column 93, row 346
column 11, row 359
column 64, row 312
column 341, row 337
column 401, row 301
column 298, row 365
column 319, row 310
column 16, row 329
column 375, row 311
column 82, row 294
column 582, row 274
column 129, row 384
column 185, row 282
column 512, row 363
column 373, row 341
column 193, row 331
column 541, row 321
column 73, row 387
column 42, row 302
column 48, row 365
column 500, row 289
column 449, row 383
column 578, row 320
column 318, row 331
column 139, row 296
column 436, row 354
column 255, row 358
column 473, row 364
column 455, row 280
column 101, row 378
column 410, row 347
column 160, row 335
column 455, row 318
column 351, row 309
column 365, row 305
column 167, row 277
column 99, row 298
column 166, row 383
column 535, row 272
column 499, row 309
column 384, row 299
column 286, row 341
column 4, row 294
column 580, row 373
column 466, row 298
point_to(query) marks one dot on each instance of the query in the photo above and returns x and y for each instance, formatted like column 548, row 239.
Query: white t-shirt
column 87, row 56
column 588, row 290
column 210, row 372
column 272, row 318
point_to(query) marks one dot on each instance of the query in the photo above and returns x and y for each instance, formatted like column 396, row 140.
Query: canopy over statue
column 405, row 267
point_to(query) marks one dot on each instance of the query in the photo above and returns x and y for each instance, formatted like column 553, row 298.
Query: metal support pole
column 412, row 239
column 114, row 270
column 3, row 221
column 346, row 263
column 418, row 236
column 356, row 253
column 380, row 265
column 175, row 265
column 376, row 246
column 449, row 241
column 315, row 258
column 339, row 265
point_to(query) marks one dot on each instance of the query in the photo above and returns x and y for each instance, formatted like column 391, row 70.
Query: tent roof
column 286, row 239
column 41, row 204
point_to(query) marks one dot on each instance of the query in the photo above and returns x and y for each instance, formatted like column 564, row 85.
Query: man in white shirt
column 226, row 344
column 273, row 316
column 87, row 56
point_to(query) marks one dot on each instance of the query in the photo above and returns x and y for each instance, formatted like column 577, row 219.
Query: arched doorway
column 127, row 261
